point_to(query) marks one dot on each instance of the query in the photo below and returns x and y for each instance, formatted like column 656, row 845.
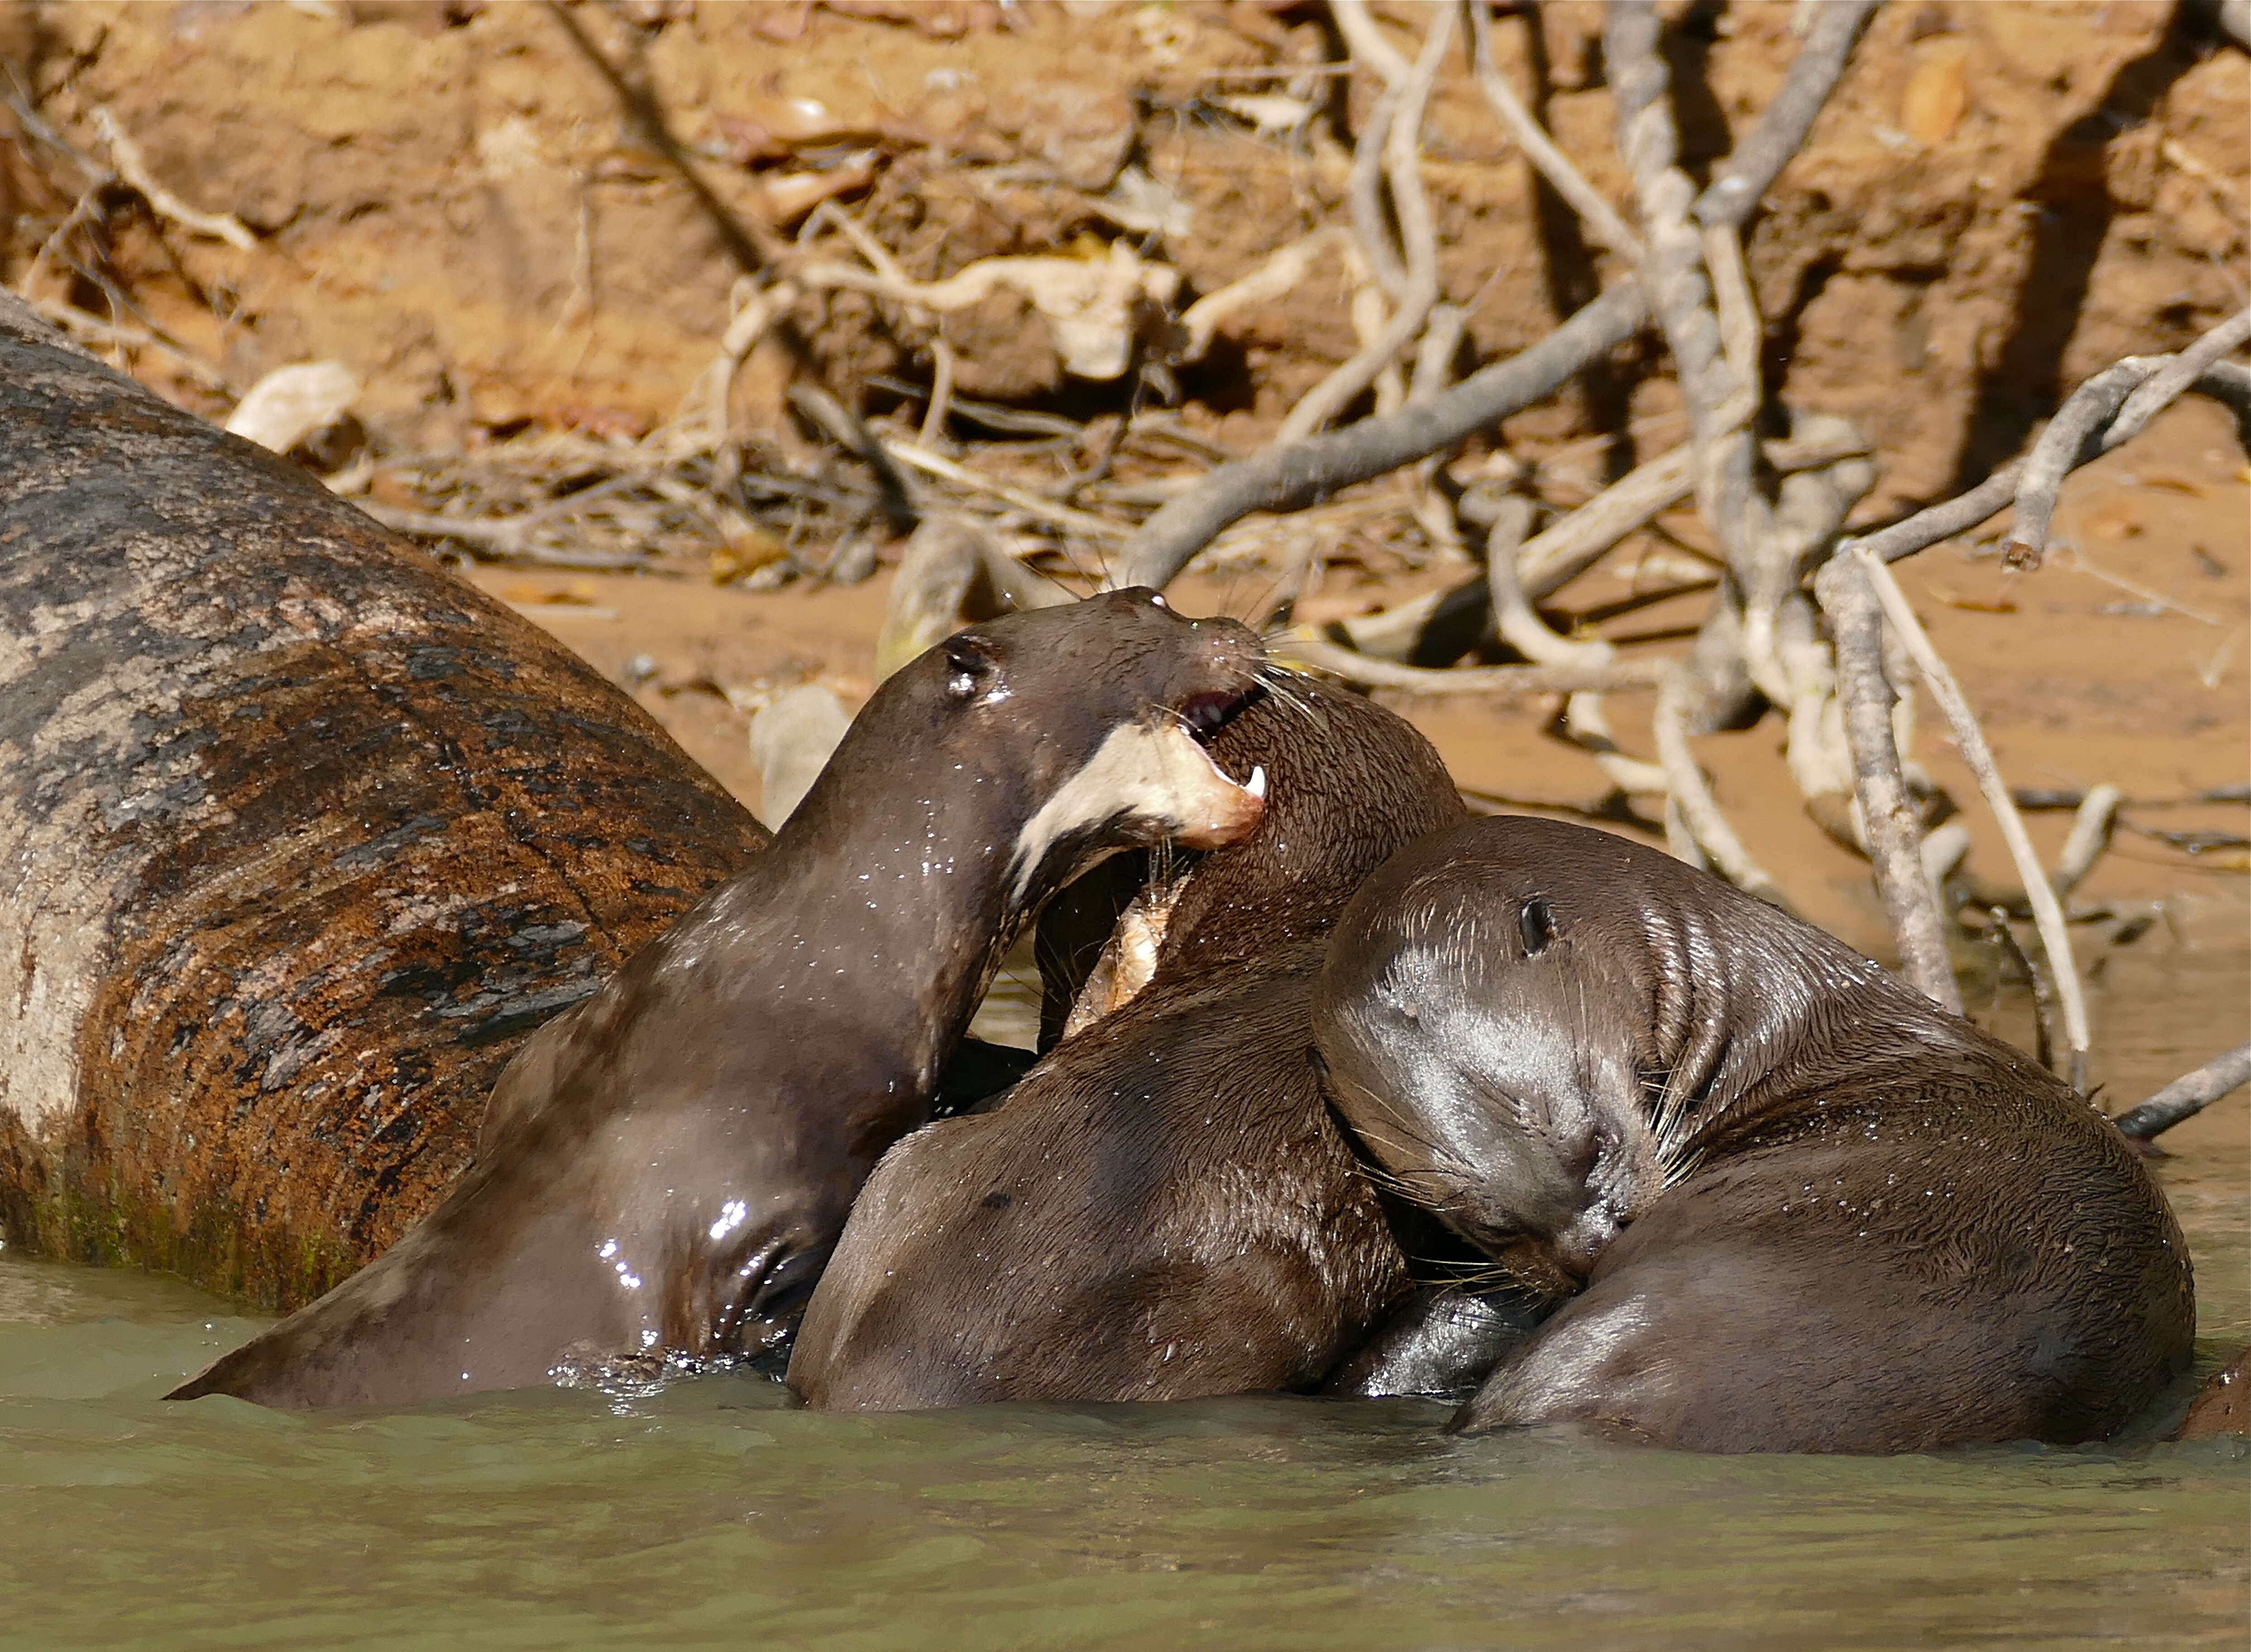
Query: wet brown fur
column 1876, row 1227
column 664, row 1168
column 1163, row 1208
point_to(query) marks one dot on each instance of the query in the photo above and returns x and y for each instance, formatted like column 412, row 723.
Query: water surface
column 710, row 1514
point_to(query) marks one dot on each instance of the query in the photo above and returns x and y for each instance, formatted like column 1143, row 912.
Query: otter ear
column 1535, row 925
column 972, row 672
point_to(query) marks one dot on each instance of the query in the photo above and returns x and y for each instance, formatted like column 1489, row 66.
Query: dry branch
column 2187, row 1096
column 1418, row 288
column 2064, row 446
column 1691, row 807
column 1503, row 680
column 2106, row 393
column 1603, row 223
column 2177, row 375
column 1744, row 177
column 1892, row 833
column 1720, row 403
column 1552, row 558
column 2047, row 911
column 1291, row 476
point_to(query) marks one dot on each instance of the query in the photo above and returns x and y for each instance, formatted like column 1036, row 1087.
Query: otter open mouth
column 1153, row 780
column 1208, row 712
column 1219, row 809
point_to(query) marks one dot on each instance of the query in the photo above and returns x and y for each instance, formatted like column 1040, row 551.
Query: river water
column 710, row 1514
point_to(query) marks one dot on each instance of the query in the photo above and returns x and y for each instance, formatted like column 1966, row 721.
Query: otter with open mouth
column 663, row 1170
column 1163, row 1208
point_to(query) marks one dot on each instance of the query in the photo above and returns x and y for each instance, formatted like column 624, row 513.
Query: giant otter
column 302, row 839
column 1163, row 1208
column 1812, row 1210
column 663, row 1169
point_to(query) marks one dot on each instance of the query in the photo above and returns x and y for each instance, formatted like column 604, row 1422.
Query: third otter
column 1163, row 1208
column 663, row 1169
column 1812, row 1210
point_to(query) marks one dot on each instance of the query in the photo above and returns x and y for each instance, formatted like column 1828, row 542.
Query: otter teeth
column 1256, row 784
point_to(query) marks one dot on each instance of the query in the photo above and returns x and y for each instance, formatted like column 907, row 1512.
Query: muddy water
column 710, row 1514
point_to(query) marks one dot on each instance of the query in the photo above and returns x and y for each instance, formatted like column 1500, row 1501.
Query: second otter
column 1163, row 1208
column 1810, row 1211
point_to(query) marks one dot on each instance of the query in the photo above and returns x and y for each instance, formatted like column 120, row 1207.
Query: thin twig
column 1603, row 223
column 1744, row 177
column 2091, row 832
column 1364, row 194
column 941, row 392
column 1893, row 834
column 1403, row 166
column 1498, row 680
column 2004, row 936
column 1690, row 796
column 2187, row 1096
column 2047, row 911
column 509, row 537
column 1030, row 503
column 1289, row 476
column 125, row 154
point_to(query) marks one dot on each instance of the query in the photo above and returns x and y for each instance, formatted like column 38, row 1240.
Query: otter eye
column 970, row 668
column 1536, row 924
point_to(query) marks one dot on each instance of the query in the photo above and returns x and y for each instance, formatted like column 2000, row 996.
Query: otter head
column 1034, row 745
column 1488, row 1033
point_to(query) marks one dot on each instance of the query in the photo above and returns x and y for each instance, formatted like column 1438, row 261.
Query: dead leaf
column 744, row 553
column 2175, row 481
column 2117, row 518
column 1971, row 604
column 1937, row 96
column 792, row 195
column 571, row 594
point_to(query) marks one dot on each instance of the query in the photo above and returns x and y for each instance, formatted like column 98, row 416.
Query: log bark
column 299, row 837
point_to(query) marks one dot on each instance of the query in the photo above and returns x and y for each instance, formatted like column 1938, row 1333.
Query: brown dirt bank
column 1999, row 199
column 2126, row 659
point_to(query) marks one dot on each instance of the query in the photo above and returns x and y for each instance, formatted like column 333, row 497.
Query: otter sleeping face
column 1794, row 1204
column 1478, row 1045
